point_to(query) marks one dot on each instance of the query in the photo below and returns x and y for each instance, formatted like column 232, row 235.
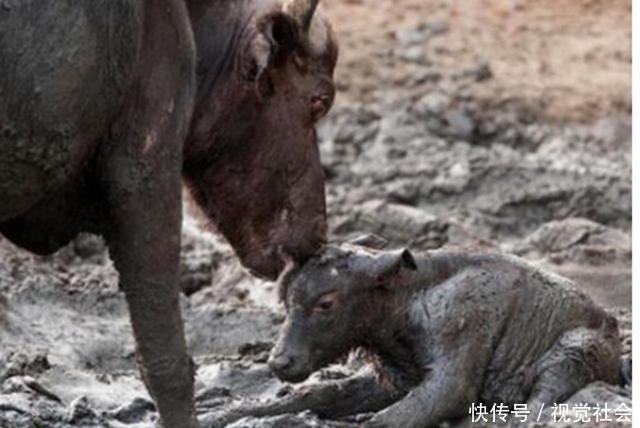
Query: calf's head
column 251, row 158
column 334, row 303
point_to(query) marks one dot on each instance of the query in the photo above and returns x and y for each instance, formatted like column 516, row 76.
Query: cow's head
column 252, row 158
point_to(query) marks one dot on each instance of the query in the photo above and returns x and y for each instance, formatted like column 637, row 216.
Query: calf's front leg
column 445, row 393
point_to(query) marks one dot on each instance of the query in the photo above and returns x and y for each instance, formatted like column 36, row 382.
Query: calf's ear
column 408, row 261
column 388, row 265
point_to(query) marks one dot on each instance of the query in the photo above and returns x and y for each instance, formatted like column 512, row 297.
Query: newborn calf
column 446, row 328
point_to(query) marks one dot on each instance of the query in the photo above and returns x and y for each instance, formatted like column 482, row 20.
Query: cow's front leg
column 144, row 241
column 141, row 178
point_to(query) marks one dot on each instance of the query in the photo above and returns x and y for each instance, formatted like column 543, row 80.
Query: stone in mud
column 459, row 125
column 577, row 240
column 434, row 103
column 20, row 364
column 303, row 420
column 255, row 351
column 410, row 37
column 426, row 76
column 195, row 272
column 518, row 199
column 134, row 412
column 444, row 118
column 413, row 54
column 478, row 73
column 87, row 245
column 79, row 410
column 398, row 223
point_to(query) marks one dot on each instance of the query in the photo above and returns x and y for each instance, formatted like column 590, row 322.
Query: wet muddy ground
column 437, row 163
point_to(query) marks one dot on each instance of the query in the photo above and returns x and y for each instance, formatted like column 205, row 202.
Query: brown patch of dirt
column 570, row 58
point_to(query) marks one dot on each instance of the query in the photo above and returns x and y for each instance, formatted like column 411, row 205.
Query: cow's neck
column 222, row 30
column 216, row 44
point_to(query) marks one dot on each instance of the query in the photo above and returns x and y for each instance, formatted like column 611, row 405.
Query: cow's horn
column 308, row 15
column 302, row 11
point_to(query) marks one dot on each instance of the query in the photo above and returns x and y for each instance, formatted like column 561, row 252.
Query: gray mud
column 432, row 170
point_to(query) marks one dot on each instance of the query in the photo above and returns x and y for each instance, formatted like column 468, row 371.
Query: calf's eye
column 325, row 303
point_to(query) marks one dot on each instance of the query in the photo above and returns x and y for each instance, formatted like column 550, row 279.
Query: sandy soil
column 496, row 124
column 569, row 58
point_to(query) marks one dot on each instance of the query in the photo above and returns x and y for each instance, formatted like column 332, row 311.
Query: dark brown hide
column 251, row 159
column 96, row 100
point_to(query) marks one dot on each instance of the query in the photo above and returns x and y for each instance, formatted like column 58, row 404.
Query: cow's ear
column 283, row 33
column 277, row 36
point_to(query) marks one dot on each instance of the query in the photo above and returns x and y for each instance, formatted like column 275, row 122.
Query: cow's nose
column 280, row 363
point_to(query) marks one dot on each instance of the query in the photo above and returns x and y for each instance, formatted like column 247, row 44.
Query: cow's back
column 65, row 68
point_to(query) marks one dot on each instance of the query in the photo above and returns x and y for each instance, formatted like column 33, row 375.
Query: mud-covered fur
column 449, row 329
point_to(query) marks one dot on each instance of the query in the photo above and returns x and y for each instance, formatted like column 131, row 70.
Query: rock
column 303, row 420
column 256, row 351
column 577, row 240
column 413, row 54
column 242, row 379
column 234, row 329
column 195, row 272
column 79, row 410
column 87, row 245
column 435, row 27
column 28, row 385
column 199, row 258
column 400, row 224
column 421, row 33
column 427, row 76
column 432, row 104
column 444, row 120
column 344, row 132
column 134, row 412
column 459, row 125
column 213, row 392
column 517, row 199
column 20, row 364
column 478, row 73
column 411, row 37
column 4, row 310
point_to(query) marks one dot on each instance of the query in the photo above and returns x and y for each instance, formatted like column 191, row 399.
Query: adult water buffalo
column 104, row 105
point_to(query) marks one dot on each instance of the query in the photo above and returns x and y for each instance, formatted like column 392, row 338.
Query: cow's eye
column 320, row 106
column 300, row 62
column 325, row 303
